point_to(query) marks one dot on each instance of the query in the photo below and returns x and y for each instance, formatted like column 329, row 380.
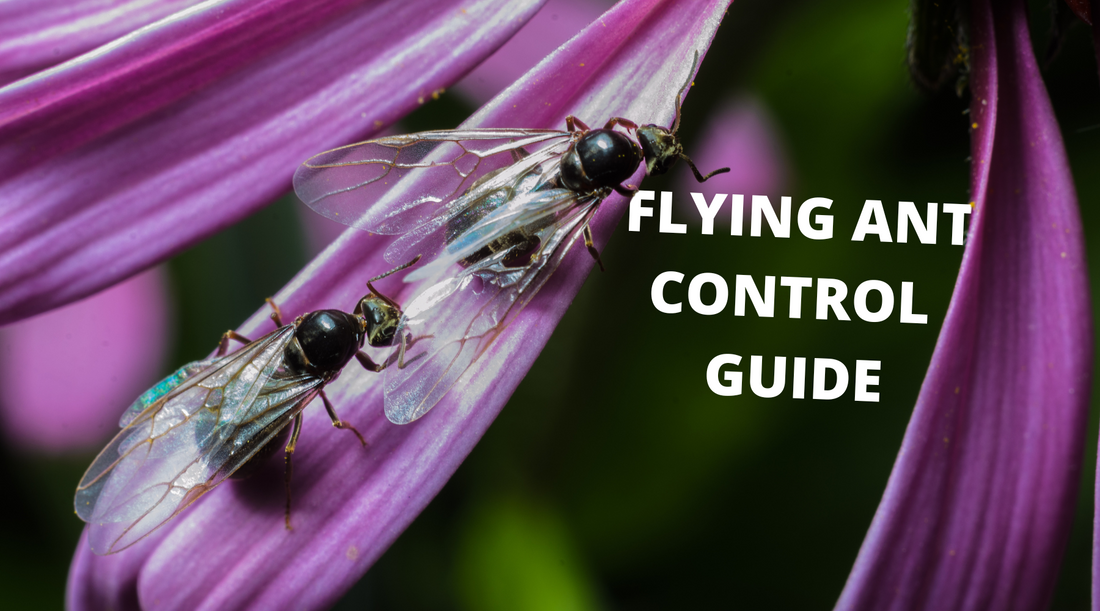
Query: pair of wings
column 486, row 182
column 186, row 435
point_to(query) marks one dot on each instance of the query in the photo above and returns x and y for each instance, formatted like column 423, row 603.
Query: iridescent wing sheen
column 454, row 320
column 186, row 435
column 450, row 170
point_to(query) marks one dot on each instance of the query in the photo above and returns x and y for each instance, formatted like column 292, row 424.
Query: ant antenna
column 661, row 147
column 695, row 170
column 680, row 94
column 676, row 124
column 394, row 270
column 375, row 291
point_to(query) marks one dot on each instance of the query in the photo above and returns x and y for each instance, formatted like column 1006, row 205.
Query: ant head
column 661, row 148
column 379, row 318
column 379, row 315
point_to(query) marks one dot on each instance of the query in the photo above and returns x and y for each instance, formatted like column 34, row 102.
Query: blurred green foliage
column 615, row 478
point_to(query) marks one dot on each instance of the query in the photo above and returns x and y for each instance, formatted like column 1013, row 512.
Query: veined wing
column 455, row 320
column 354, row 184
column 526, row 208
column 188, row 440
column 489, row 193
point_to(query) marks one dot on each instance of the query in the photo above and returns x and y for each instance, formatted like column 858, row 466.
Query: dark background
column 615, row 478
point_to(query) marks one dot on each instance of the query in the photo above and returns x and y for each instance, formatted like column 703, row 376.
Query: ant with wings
column 496, row 211
column 223, row 416
column 506, row 233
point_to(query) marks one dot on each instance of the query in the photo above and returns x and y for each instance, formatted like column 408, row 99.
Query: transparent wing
column 454, row 321
column 354, row 185
column 527, row 208
column 208, row 421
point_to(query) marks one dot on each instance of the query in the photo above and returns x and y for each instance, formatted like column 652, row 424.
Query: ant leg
column 401, row 352
column 407, row 342
column 695, row 170
column 337, row 422
column 368, row 363
column 276, row 313
column 591, row 247
column 519, row 154
column 223, row 345
column 289, row 452
column 572, row 123
column 627, row 123
column 393, row 358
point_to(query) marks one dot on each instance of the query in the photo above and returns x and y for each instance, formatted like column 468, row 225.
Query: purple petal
column 122, row 157
column 232, row 551
column 552, row 26
column 319, row 231
column 107, row 582
column 35, row 34
column 977, row 511
column 44, row 366
column 555, row 23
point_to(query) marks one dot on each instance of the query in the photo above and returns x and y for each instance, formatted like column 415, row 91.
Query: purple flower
column 977, row 510
column 35, row 34
column 128, row 154
column 557, row 22
column 231, row 550
column 552, row 26
column 54, row 395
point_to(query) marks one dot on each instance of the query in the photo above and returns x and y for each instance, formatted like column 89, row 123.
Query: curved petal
column 351, row 502
column 106, row 582
column 35, row 34
column 44, row 365
column 978, row 508
column 556, row 23
column 552, row 26
column 128, row 154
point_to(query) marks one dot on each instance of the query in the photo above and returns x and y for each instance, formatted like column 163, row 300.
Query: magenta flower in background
column 55, row 396
column 978, row 508
column 351, row 502
column 741, row 130
column 128, row 154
